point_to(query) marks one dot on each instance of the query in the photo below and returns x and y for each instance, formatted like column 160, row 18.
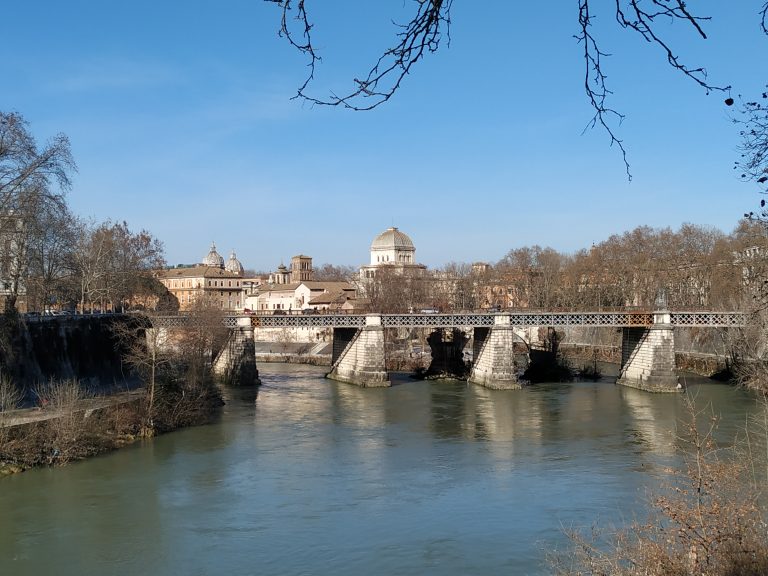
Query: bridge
column 647, row 351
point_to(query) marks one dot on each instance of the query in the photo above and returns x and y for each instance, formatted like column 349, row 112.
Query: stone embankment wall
column 696, row 363
column 82, row 348
column 312, row 359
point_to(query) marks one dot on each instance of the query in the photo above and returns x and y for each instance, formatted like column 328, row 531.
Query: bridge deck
column 485, row 319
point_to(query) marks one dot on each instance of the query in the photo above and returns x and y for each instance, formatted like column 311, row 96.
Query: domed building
column 213, row 258
column 394, row 250
column 392, row 246
column 218, row 282
column 233, row 265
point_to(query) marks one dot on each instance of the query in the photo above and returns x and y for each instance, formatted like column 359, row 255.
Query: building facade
column 394, row 251
column 216, row 281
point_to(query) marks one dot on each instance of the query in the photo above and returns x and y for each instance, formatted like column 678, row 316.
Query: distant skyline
column 181, row 122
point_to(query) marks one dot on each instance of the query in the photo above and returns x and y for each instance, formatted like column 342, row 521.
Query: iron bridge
column 477, row 319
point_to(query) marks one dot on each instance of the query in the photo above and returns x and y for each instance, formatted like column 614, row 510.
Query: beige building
column 214, row 279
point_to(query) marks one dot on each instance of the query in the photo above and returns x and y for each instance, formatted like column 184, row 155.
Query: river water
column 308, row 476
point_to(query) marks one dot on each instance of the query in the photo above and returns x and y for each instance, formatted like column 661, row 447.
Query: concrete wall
column 293, row 334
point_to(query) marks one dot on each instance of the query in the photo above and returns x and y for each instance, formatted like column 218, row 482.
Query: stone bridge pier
column 648, row 356
column 236, row 363
column 358, row 354
column 494, row 357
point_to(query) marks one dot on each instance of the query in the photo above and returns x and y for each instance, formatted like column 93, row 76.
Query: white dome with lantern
column 392, row 247
column 213, row 259
column 233, row 265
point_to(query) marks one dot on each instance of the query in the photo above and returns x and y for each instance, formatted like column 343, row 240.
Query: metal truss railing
column 309, row 321
column 713, row 319
column 475, row 319
column 436, row 320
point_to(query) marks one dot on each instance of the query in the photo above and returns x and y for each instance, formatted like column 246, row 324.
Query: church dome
column 214, row 258
column 233, row 264
column 392, row 239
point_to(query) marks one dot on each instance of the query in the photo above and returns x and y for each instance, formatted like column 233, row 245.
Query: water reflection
column 310, row 476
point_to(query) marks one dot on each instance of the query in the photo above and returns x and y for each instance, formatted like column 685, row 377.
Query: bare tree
column 111, row 263
column 393, row 290
column 332, row 273
column 50, row 253
column 147, row 350
column 753, row 122
column 175, row 363
column 32, row 181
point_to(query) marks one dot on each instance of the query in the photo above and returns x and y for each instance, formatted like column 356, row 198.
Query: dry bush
column 707, row 521
column 749, row 351
column 10, row 395
column 184, row 399
column 65, row 430
column 10, row 398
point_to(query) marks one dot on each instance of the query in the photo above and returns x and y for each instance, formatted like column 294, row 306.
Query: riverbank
column 72, row 428
column 57, row 435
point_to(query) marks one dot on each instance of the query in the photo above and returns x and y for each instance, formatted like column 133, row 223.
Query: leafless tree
column 50, row 253
column 333, row 273
column 33, row 181
column 173, row 362
column 393, row 290
column 111, row 262
column 753, row 123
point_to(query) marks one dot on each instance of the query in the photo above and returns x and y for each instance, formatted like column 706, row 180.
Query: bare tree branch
column 594, row 82
column 421, row 35
column 764, row 18
column 644, row 22
column 430, row 25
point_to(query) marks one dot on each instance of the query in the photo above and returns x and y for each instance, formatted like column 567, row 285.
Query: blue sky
column 181, row 122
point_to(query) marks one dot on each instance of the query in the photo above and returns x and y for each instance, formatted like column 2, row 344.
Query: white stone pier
column 236, row 363
column 648, row 356
column 361, row 358
column 494, row 358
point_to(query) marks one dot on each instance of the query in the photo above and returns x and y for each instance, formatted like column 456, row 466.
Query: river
column 307, row 476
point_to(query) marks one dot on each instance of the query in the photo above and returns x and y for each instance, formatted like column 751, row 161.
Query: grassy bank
column 72, row 426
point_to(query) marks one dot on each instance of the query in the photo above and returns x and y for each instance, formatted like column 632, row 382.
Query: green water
column 309, row 476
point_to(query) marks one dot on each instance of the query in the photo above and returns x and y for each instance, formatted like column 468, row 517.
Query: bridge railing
column 477, row 319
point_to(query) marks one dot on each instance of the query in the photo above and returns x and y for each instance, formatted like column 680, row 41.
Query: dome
column 213, row 258
column 392, row 239
column 233, row 264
